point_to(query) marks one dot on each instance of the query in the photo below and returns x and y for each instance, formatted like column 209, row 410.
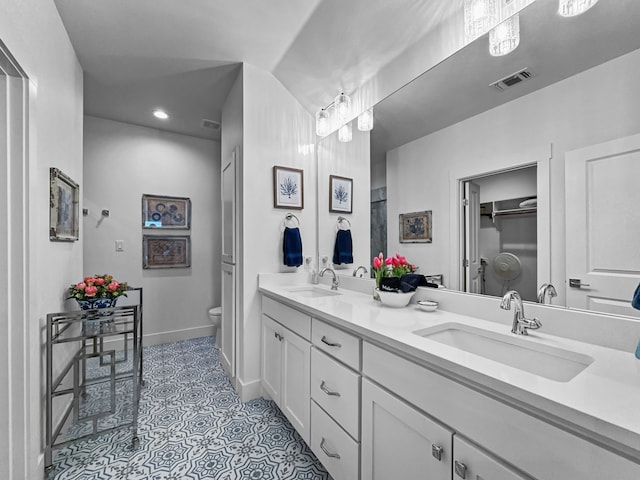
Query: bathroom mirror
column 449, row 126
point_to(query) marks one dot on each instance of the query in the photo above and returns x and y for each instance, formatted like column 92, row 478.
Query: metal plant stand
column 104, row 397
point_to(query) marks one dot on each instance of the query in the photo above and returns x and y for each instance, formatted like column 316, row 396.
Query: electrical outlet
column 119, row 245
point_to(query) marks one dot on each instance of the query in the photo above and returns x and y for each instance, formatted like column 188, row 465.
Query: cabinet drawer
column 342, row 345
column 336, row 450
column 294, row 320
column 337, row 390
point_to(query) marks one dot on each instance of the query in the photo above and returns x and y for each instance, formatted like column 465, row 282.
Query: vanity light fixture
column 505, row 37
column 161, row 114
column 365, row 120
column 345, row 134
column 571, row 8
column 322, row 123
column 479, row 17
column 342, row 105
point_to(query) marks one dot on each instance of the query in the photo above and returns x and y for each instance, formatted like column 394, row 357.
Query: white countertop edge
column 588, row 420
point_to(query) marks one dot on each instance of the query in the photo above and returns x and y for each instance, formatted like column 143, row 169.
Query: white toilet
column 215, row 314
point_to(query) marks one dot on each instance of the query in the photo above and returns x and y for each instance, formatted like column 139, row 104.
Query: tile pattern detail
column 191, row 426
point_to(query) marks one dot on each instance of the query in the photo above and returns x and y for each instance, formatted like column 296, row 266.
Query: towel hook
column 290, row 217
column 342, row 219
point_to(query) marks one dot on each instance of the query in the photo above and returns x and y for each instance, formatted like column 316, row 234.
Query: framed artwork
column 161, row 211
column 288, row 188
column 166, row 251
column 415, row 227
column 64, row 199
column 340, row 194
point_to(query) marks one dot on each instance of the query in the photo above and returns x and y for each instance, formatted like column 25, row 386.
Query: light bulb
column 343, row 107
column 571, row 8
column 365, row 120
column 161, row 114
column 345, row 133
column 322, row 123
column 505, row 37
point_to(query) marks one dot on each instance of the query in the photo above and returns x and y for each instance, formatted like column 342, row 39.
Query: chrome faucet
column 334, row 282
column 364, row 271
column 520, row 322
column 545, row 289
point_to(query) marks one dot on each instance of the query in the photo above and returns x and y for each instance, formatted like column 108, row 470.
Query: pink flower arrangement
column 395, row 266
column 98, row 286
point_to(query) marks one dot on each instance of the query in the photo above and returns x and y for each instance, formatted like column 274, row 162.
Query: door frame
column 16, row 369
column 543, row 221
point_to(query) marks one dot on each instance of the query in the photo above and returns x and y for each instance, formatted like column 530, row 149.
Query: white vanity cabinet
column 335, row 405
column 473, row 463
column 398, row 441
column 286, row 362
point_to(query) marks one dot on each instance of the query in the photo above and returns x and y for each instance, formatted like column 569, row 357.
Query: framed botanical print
column 340, row 194
column 288, row 188
column 415, row 227
column 64, row 199
column 161, row 211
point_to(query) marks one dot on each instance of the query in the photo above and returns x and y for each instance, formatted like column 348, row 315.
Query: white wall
column 351, row 160
column 124, row 161
column 277, row 130
column 34, row 35
column 592, row 107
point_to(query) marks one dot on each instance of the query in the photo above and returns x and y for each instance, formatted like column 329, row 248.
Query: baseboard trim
column 171, row 336
column 248, row 390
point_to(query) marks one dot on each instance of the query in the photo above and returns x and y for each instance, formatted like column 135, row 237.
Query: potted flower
column 97, row 291
column 395, row 266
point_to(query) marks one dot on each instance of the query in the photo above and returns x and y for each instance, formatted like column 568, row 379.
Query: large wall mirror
column 558, row 144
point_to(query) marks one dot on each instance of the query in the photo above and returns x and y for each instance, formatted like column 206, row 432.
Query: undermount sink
column 311, row 292
column 542, row 360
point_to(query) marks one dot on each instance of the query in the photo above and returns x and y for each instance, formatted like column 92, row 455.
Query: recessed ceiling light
column 161, row 114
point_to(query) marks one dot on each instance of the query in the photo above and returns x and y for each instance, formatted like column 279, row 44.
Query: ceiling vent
column 210, row 124
column 511, row 80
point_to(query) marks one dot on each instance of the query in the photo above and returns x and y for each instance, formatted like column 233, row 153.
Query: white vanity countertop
column 601, row 403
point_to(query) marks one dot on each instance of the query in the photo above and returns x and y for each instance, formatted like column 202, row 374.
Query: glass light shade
column 571, row 8
column 342, row 105
column 365, row 120
column 161, row 114
column 322, row 123
column 505, row 37
column 479, row 17
column 345, row 134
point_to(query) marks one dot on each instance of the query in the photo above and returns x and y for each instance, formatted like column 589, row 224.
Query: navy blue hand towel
column 292, row 247
column 635, row 303
column 343, row 249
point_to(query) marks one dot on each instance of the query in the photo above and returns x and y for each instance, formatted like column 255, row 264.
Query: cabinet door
column 472, row 463
column 399, row 441
column 271, row 358
column 296, row 374
column 228, row 193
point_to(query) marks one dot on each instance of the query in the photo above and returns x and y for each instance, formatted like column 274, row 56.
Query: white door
column 603, row 225
column 271, row 358
column 228, row 192
column 399, row 441
column 472, row 463
column 228, row 327
column 296, row 382
column 472, row 267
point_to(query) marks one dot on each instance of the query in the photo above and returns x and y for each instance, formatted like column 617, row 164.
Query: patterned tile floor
column 191, row 425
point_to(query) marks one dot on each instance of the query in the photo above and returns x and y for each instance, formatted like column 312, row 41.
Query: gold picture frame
column 416, row 227
column 64, row 201
column 166, row 251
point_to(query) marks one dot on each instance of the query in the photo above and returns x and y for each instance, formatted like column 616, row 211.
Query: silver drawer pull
column 460, row 468
column 327, row 452
column 331, row 344
column 436, row 451
column 327, row 391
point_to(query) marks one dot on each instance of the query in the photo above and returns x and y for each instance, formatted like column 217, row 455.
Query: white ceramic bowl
column 427, row 305
column 394, row 299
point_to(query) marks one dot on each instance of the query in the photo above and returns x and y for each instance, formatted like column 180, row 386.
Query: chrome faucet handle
column 545, row 289
column 334, row 282
column 364, row 270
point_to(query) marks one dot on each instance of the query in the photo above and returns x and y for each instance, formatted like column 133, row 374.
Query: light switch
column 119, row 245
